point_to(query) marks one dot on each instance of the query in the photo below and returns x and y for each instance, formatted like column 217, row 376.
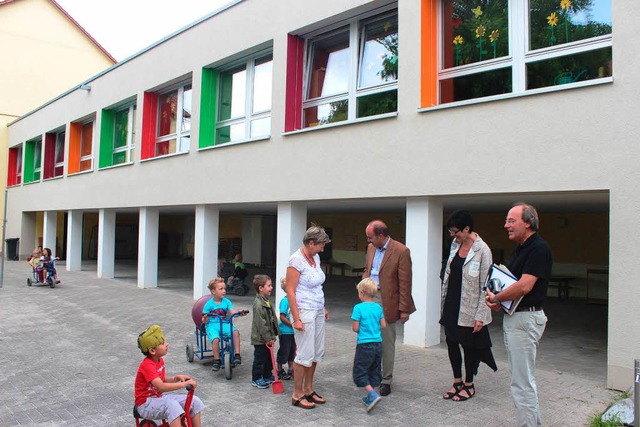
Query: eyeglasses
column 453, row 232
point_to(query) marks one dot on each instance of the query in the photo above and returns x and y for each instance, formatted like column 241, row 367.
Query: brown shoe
column 385, row 389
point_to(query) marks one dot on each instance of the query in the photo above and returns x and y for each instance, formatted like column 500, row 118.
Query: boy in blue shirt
column 221, row 306
column 368, row 321
column 287, row 350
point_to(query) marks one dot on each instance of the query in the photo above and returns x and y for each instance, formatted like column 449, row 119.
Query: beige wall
column 44, row 55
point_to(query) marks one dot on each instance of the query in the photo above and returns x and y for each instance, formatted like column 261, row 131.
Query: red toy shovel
column 277, row 387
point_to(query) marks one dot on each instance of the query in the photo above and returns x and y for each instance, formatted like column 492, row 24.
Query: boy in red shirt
column 151, row 382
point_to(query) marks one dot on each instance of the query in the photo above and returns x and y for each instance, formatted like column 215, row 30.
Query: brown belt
column 525, row 308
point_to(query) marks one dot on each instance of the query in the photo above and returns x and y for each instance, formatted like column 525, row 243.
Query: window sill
column 53, row 178
column 604, row 80
column 80, row 172
column 231, row 144
column 32, row 182
column 119, row 165
column 343, row 123
column 164, row 156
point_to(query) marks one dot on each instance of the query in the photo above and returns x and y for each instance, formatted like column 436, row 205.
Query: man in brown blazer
column 388, row 263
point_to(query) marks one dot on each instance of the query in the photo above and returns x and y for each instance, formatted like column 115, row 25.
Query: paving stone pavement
column 68, row 357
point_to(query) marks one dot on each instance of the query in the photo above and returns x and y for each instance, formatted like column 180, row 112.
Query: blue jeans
column 522, row 332
column 367, row 364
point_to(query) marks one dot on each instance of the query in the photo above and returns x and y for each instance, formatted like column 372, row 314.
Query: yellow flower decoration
column 477, row 12
column 552, row 19
column 480, row 31
column 495, row 35
column 565, row 4
column 458, row 39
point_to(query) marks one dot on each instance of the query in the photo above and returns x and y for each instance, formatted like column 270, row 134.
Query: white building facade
column 280, row 109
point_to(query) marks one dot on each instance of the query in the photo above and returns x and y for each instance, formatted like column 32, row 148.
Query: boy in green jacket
column 264, row 330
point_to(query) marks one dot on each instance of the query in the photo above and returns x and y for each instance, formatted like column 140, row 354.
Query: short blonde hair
column 283, row 283
column 368, row 287
column 212, row 283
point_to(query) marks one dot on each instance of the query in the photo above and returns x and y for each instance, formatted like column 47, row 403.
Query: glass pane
column 87, row 138
column 37, row 152
column 379, row 61
column 495, row 82
column 85, row 165
column 568, row 69
column 378, row 103
column 262, row 86
column 563, row 21
column 186, row 109
column 474, row 31
column 36, row 176
column 58, row 171
column 329, row 74
column 230, row 133
column 168, row 113
column 120, row 157
column 233, row 89
column 185, row 141
column 166, row 147
column 121, row 129
column 60, row 147
column 327, row 113
column 261, row 127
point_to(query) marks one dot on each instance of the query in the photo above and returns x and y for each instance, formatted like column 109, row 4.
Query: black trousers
column 262, row 366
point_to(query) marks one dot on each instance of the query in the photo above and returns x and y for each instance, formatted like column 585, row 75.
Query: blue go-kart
column 38, row 277
column 202, row 349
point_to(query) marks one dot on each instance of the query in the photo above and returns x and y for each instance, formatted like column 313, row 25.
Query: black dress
column 463, row 335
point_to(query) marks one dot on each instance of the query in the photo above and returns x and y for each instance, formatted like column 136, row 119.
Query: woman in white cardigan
column 464, row 314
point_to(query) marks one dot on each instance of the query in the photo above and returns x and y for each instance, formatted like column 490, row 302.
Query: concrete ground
column 68, row 357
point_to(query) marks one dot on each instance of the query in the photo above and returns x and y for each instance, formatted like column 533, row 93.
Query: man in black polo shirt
column 531, row 265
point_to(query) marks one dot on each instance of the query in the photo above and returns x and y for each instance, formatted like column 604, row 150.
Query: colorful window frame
column 343, row 73
column 14, row 172
column 32, row 170
column 117, row 135
column 236, row 101
column 54, row 154
column 80, row 146
column 474, row 49
column 166, row 122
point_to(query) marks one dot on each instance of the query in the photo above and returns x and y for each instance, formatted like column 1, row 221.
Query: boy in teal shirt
column 368, row 321
column 287, row 350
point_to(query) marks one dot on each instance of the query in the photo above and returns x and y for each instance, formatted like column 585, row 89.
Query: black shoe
column 385, row 389
column 216, row 365
column 237, row 359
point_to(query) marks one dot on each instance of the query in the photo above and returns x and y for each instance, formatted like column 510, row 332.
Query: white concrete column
column 252, row 239
column 27, row 235
column 205, row 252
column 148, row 248
column 106, row 243
column 424, row 239
column 74, row 240
column 49, row 230
column 292, row 223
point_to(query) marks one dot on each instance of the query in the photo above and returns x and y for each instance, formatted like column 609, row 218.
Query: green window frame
column 117, row 135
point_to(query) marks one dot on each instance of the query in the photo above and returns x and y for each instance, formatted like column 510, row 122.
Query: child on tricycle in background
column 34, row 262
column 287, row 350
column 221, row 306
column 151, row 382
column 48, row 264
column 264, row 330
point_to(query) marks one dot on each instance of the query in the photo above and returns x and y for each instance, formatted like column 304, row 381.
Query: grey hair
column 529, row 215
column 315, row 234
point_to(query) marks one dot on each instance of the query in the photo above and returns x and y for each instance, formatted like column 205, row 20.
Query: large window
column 117, row 135
column 81, row 146
column 495, row 47
column 14, row 173
column 352, row 71
column 32, row 160
column 236, row 97
column 174, row 121
column 54, row 146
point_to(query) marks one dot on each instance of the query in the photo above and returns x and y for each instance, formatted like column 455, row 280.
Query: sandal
column 315, row 398
column 469, row 389
column 303, row 403
column 457, row 387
